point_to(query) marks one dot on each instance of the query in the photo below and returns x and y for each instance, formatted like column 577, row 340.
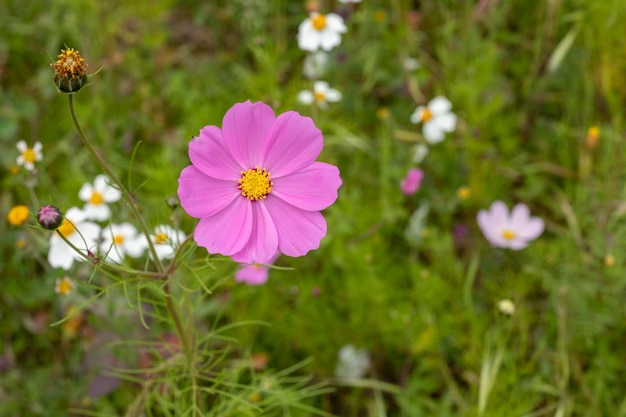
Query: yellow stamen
column 508, row 234
column 64, row 286
column 318, row 21
column 96, row 198
column 255, row 184
column 319, row 96
column 426, row 115
column 29, row 155
column 118, row 239
column 18, row 215
column 69, row 64
column 66, row 228
column 160, row 238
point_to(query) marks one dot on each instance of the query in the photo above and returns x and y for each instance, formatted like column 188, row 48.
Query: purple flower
column 254, row 274
column 514, row 230
column 255, row 185
column 411, row 183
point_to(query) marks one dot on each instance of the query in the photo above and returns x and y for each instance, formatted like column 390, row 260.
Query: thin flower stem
column 108, row 266
column 185, row 339
column 129, row 199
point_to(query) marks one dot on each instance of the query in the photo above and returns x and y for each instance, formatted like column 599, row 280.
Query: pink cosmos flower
column 255, row 274
column 514, row 230
column 255, row 185
column 411, row 183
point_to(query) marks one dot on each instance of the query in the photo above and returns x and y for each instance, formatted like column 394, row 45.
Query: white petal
column 333, row 95
column 85, row 192
column 21, row 146
column 305, row 97
column 432, row 133
column 335, row 23
column 416, row 117
column 446, row 122
column 439, row 105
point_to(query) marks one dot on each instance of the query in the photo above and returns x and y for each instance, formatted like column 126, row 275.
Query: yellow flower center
column 96, row 198
column 255, row 184
column 66, row 228
column 160, row 238
column 18, row 215
column 318, row 21
column 508, row 234
column 69, row 64
column 64, row 286
column 118, row 239
column 463, row 193
column 29, row 155
column 426, row 115
column 319, row 96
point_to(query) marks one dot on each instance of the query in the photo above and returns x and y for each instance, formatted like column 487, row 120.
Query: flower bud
column 50, row 217
column 70, row 71
column 172, row 202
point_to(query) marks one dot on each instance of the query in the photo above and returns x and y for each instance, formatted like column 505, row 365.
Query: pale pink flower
column 255, row 185
column 254, row 274
column 411, row 183
column 514, row 230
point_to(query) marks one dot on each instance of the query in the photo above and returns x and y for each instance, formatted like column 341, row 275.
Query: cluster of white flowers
column 112, row 242
column 318, row 34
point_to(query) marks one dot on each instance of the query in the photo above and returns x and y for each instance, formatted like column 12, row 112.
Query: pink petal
column 313, row 188
column 293, row 143
column 245, row 127
column 492, row 234
column 204, row 196
column 253, row 274
column 519, row 217
column 299, row 231
column 532, row 229
column 411, row 183
column 208, row 153
column 263, row 243
column 228, row 231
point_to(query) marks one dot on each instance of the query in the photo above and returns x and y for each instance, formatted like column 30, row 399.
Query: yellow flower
column 609, row 260
column 18, row 215
column 593, row 133
column 64, row 286
column 463, row 193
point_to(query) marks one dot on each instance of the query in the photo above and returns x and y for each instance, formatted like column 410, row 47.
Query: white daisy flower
column 436, row 119
column 315, row 65
column 28, row 156
column 321, row 94
column 507, row 307
column 418, row 153
column 353, row 362
column 97, row 196
column 166, row 240
column 320, row 31
column 79, row 232
column 120, row 240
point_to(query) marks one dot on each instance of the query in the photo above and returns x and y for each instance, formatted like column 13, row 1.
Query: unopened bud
column 172, row 202
column 50, row 217
column 593, row 133
column 70, row 71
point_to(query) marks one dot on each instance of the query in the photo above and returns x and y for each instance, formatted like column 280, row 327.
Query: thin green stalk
column 108, row 266
column 129, row 199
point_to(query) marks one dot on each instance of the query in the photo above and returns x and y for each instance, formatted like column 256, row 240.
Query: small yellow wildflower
column 609, row 260
column 18, row 215
column 64, row 286
column 21, row 243
column 463, row 193
column 593, row 133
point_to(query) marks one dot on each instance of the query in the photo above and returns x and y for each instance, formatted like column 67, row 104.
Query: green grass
column 526, row 78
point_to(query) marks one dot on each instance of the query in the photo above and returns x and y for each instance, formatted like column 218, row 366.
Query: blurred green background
column 527, row 79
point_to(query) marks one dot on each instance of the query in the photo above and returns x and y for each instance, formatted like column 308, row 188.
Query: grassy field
column 409, row 280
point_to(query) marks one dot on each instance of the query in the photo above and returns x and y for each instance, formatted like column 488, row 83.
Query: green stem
column 108, row 266
column 127, row 196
